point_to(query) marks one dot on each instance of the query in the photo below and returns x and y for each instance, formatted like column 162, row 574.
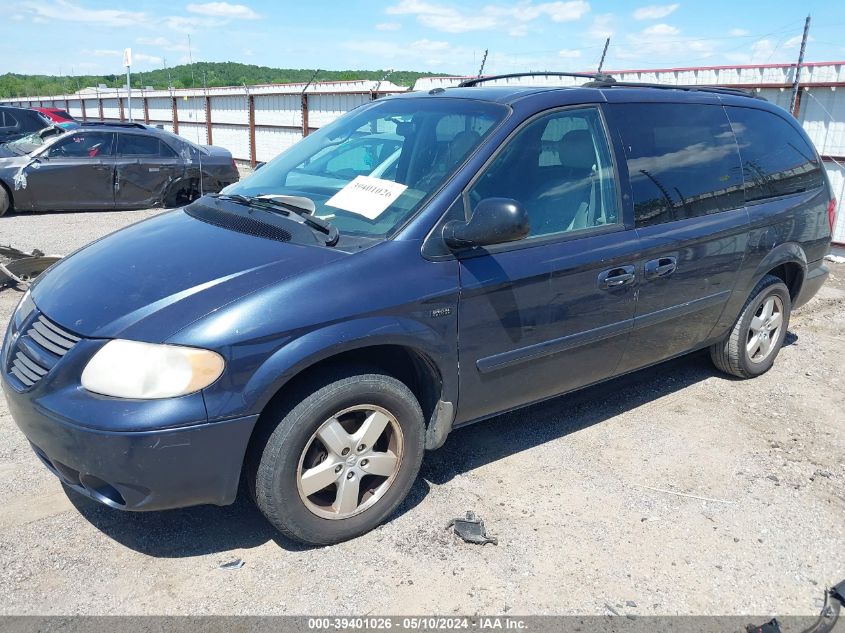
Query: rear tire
column 327, row 473
column 752, row 345
column 5, row 201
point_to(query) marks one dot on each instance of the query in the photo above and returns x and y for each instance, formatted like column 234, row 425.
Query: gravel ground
column 565, row 485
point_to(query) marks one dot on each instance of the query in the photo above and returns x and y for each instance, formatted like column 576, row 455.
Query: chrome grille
column 38, row 349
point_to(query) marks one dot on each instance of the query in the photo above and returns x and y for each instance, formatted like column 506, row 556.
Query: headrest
column 575, row 150
column 463, row 143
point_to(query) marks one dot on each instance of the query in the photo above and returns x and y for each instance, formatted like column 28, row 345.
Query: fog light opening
column 102, row 491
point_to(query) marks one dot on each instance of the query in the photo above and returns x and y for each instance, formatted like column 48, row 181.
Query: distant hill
column 212, row 73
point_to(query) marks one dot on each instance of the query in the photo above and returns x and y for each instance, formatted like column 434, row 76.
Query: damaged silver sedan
column 109, row 166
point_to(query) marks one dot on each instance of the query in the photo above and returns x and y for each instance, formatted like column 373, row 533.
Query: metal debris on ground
column 772, row 626
column 834, row 599
column 471, row 529
column 234, row 564
column 18, row 268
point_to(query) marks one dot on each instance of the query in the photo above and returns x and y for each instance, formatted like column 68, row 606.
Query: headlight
column 131, row 369
column 24, row 309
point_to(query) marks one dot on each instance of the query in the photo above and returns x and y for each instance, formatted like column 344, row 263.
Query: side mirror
column 258, row 166
column 494, row 221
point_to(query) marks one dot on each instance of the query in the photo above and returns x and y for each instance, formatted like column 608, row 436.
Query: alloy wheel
column 350, row 462
column 764, row 329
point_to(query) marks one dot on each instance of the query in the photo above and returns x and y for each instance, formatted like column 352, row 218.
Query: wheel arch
column 789, row 263
column 405, row 349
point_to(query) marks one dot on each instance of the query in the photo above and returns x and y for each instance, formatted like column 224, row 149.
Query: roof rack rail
column 634, row 84
column 599, row 77
column 132, row 124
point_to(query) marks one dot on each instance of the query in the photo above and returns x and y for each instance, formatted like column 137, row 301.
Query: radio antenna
column 483, row 62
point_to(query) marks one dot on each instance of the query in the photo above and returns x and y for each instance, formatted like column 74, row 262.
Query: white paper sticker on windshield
column 367, row 196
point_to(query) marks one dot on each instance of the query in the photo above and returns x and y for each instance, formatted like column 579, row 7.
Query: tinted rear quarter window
column 682, row 160
column 138, row 145
column 776, row 159
column 9, row 119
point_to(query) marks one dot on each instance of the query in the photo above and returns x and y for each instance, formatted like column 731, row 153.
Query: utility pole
column 603, row 53
column 794, row 102
column 169, row 82
column 127, row 61
column 483, row 61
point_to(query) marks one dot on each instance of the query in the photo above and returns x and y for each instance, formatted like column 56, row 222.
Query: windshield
column 373, row 168
column 30, row 142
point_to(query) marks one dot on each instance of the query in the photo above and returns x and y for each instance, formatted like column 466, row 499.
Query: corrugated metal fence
column 255, row 123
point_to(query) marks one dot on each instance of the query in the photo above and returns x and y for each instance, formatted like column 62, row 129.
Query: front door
column 76, row 172
column 145, row 168
column 686, row 184
column 552, row 312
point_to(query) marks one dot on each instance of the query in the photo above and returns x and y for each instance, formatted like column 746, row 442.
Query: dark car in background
column 109, row 166
column 18, row 122
column 522, row 243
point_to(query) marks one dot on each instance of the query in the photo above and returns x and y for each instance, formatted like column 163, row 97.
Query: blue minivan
column 426, row 261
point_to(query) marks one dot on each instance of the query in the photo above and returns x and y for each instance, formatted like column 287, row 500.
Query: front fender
column 301, row 352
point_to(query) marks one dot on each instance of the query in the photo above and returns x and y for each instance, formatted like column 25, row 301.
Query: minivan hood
column 153, row 278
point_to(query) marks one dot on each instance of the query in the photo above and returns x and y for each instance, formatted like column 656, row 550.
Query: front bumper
column 129, row 454
column 142, row 470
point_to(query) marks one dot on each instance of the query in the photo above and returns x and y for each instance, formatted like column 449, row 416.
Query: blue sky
column 88, row 36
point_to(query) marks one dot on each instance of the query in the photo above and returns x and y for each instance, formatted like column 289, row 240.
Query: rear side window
column 682, row 160
column 776, row 159
column 137, row 145
column 8, row 119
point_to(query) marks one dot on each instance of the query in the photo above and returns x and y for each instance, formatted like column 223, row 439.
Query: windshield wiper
column 296, row 208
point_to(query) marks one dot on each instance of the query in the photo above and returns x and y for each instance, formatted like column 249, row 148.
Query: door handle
column 662, row 267
column 616, row 277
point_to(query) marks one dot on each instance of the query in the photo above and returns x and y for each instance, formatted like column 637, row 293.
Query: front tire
column 751, row 347
column 341, row 460
column 5, row 201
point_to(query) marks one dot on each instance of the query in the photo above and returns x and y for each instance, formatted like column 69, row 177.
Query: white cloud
column 662, row 44
column 429, row 46
column 569, row 53
column 388, row 26
column 143, row 57
column 795, row 42
column 162, row 43
column 655, row 11
column 738, row 32
column 190, row 23
column 660, row 30
column 451, row 20
column 66, row 11
column 224, row 10
column 762, row 51
column 602, row 26
column 207, row 16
